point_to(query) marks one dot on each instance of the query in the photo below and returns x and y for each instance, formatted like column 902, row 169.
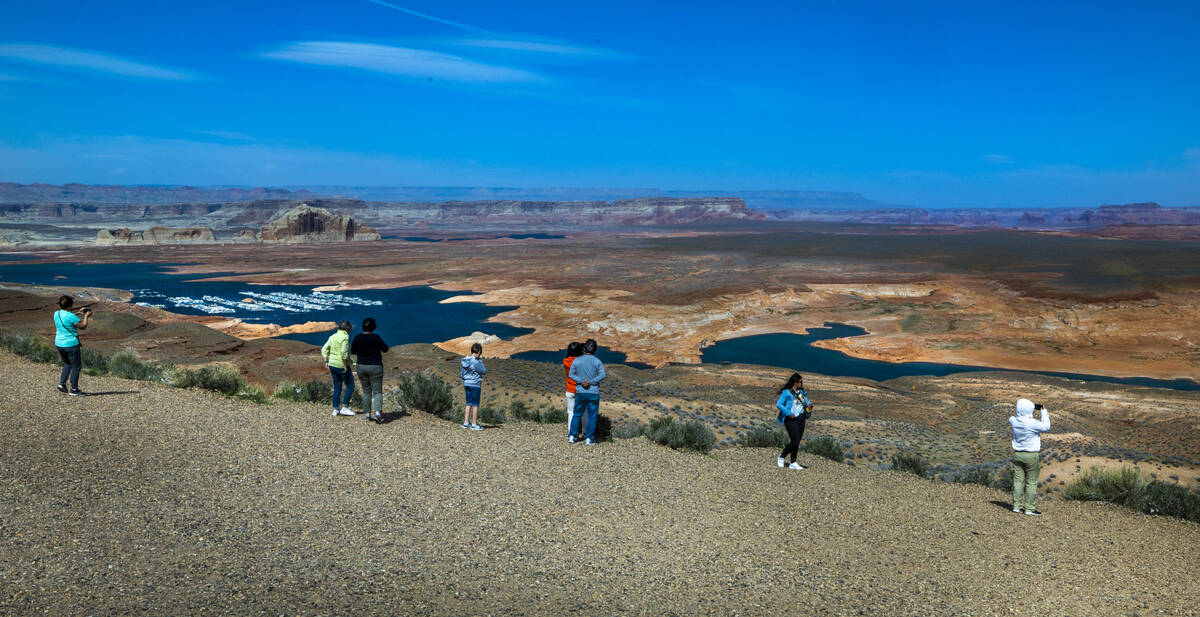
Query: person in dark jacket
column 369, row 347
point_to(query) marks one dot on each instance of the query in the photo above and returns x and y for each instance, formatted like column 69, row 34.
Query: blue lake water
column 536, row 236
column 795, row 351
column 405, row 315
column 606, row 356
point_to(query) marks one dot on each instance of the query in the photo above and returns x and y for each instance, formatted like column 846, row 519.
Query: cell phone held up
column 1038, row 406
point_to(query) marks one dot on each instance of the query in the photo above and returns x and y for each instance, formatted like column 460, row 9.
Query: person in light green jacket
column 336, row 352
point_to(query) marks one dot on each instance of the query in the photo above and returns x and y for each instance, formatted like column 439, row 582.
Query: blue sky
column 928, row 104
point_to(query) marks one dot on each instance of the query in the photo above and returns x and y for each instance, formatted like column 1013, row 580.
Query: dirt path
column 151, row 500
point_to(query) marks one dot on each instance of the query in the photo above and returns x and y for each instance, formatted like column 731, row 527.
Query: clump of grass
column 690, row 435
column 429, row 393
column 977, row 475
column 910, row 463
column 1127, row 487
column 29, row 347
column 127, row 365
column 764, row 436
column 626, row 429
column 312, row 391
column 825, row 446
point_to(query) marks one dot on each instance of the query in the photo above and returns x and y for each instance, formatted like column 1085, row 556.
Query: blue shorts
column 473, row 395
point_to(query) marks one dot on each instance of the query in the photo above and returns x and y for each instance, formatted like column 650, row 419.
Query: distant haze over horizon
column 936, row 104
column 762, row 200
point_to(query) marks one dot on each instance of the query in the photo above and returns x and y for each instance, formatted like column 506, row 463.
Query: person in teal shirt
column 66, row 338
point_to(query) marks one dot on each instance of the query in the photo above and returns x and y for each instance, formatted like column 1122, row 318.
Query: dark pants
column 342, row 376
column 72, row 359
column 795, row 431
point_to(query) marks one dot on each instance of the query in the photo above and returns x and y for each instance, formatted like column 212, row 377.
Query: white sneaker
column 590, row 442
column 1017, row 510
column 465, row 425
column 345, row 411
column 476, row 427
column 571, row 439
column 335, row 412
column 795, row 466
column 780, row 462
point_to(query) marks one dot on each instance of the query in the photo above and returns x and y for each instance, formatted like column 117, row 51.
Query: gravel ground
column 151, row 500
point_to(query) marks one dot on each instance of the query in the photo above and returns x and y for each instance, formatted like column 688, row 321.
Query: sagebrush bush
column 521, row 412
column 910, row 462
column 33, row 348
column 127, row 365
column 553, row 415
column 765, row 436
column 626, row 429
column 221, row 379
column 1119, row 486
column 825, row 446
column 492, row 415
column 1003, row 480
column 427, row 392
column 690, row 435
column 977, row 475
column 1127, row 487
column 94, row 361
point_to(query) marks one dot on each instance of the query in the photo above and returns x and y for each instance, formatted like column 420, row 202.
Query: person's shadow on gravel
column 112, row 392
column 388, row 416
column 1001, row 504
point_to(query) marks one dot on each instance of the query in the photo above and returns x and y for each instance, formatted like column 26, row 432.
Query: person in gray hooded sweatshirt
column 587, row 371
column 1026, row 461
column 472, row 378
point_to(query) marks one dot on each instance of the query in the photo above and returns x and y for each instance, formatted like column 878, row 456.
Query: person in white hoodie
column 1026, row 461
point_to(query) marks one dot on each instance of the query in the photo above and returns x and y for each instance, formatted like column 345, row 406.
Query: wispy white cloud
column 999, row 159
column 93, row 61
column 406, row 61
column 545, row 46
column 429, row 17
column 228, row 135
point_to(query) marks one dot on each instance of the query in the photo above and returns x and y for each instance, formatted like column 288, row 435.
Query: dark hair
column 589, row 346
column 476, row 348
column 792, row 381
column 345, row 325
column 369, row 324
column 65, row 302
column 574, row 349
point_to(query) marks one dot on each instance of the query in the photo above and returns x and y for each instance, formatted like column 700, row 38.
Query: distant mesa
column 155, row 236
column 306, row 224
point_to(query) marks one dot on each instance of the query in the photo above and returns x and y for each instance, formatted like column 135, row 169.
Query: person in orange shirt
column 574, row 350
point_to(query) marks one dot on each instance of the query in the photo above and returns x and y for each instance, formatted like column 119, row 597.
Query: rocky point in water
column 305, row 224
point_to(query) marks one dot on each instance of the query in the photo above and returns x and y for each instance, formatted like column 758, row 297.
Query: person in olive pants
column 1026, row 460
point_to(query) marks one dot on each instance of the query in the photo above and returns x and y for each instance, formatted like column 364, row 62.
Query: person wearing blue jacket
column 587, row 371
column 794, row 409
column 472, row 378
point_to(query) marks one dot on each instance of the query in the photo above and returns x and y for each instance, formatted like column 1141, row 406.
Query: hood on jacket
column 1024, row 408
column 467, row 363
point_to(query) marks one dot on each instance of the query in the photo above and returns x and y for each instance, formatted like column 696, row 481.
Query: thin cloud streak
column 94, row 61
column 430, row 17
column 419, row 63
column 544, row 46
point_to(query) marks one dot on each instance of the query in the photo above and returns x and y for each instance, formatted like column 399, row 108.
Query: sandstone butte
column 305, row 224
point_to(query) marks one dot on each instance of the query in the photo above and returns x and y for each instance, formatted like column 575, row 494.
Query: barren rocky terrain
column 150, row 500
